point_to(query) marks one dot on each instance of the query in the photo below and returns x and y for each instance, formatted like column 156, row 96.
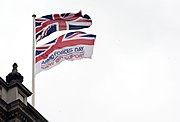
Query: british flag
column 70, row 46
column 48, row 24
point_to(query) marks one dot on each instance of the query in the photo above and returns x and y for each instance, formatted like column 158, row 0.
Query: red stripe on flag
column 62, row 25
column 64, row 44
column 45, row 24
column 45, row 47
column 56, row 16
column 84, row 20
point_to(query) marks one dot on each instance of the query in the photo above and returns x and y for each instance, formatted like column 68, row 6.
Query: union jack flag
column 70, row 46
column 48, row 24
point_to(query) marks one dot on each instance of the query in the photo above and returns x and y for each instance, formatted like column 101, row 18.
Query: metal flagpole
column 33, row 62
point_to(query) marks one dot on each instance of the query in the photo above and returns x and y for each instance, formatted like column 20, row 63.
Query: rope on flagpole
column 33, row 63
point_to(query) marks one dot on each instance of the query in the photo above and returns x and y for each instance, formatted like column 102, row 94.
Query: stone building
column 13, row 100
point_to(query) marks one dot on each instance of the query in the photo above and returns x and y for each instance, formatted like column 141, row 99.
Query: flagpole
column 33, row 62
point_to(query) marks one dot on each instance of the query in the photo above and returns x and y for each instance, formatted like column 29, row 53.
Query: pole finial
column 14, row 70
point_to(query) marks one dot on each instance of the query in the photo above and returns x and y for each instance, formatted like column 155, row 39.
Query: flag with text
column 70, row 46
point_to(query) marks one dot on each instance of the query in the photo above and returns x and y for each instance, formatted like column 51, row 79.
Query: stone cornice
column 25, row 112
column 17, row 109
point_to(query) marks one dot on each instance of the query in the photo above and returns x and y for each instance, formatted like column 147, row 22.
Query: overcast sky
column 134, row 73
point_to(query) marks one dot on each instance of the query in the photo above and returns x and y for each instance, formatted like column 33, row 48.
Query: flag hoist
column 70, row 46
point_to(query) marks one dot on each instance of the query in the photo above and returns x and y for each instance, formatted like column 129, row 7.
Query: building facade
column 13, row 100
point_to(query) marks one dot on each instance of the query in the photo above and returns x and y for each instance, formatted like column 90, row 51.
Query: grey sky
column 133, row 75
